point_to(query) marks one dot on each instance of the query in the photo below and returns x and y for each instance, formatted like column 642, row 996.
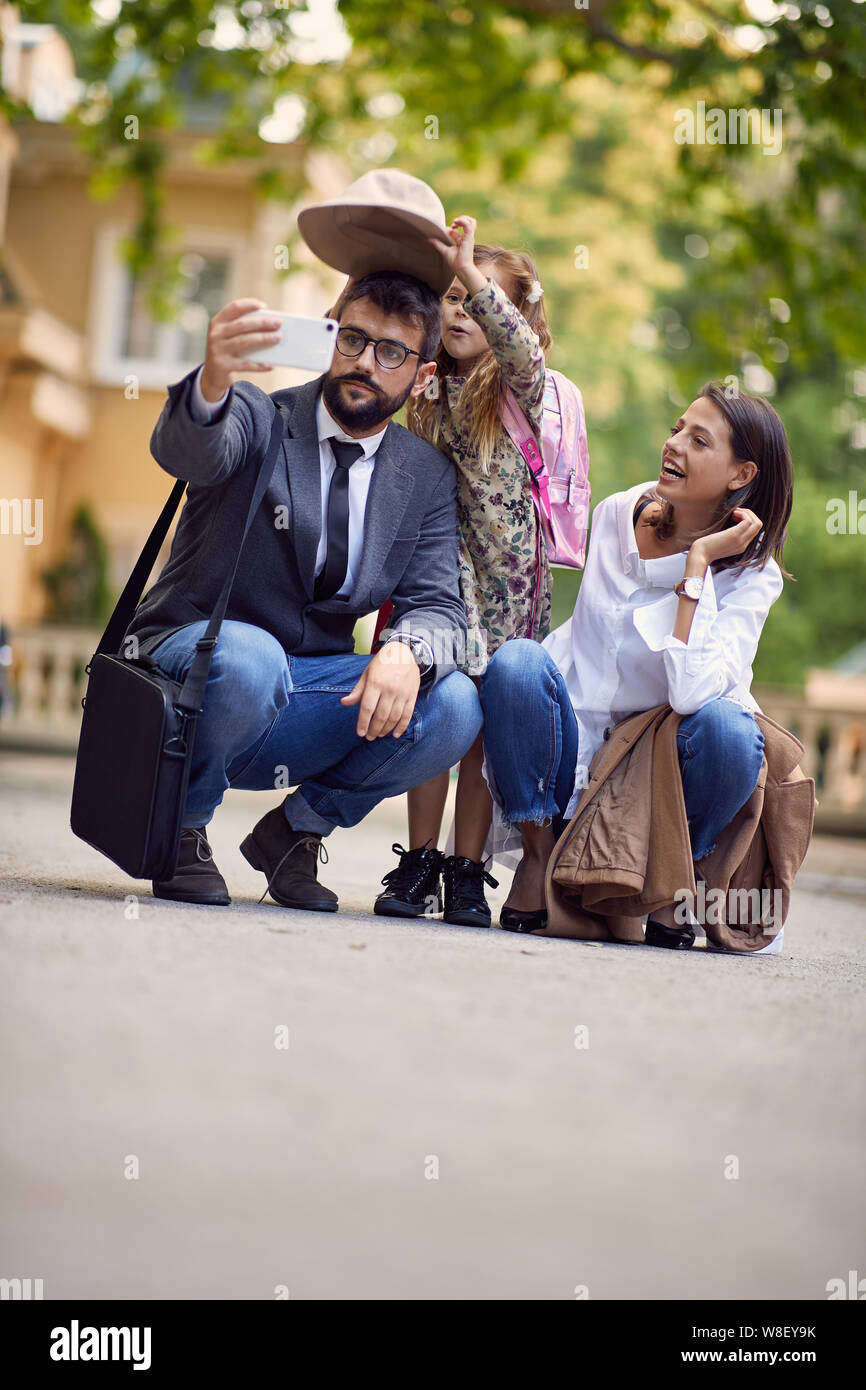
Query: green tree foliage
column 664, row 263
column 77, row 588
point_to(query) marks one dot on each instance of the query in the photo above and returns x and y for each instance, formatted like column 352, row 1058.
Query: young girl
column 494, row 330
column 680, row 576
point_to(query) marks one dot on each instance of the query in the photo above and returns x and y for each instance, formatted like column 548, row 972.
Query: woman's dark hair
column 402, row 295
column 756, row 433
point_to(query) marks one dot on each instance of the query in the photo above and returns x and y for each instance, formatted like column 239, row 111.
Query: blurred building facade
column 83, row 367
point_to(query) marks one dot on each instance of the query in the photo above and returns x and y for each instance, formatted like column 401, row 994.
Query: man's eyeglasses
column 351, row 342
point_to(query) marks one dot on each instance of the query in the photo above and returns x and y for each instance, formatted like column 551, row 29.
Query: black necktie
column 333, row 574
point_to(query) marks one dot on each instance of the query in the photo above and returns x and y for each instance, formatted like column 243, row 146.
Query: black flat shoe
column 674, row 938
column 513, row 919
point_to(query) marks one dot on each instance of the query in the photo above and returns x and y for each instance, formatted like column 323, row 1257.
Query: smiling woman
column 680, row 577
column 723, row 432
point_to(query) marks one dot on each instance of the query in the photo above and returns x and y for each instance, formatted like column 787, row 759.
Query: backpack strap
column 522, row 436
column 521, row 433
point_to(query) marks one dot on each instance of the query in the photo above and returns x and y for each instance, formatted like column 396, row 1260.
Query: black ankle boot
column 414, row 888
column 196, row 878
column 465, row 903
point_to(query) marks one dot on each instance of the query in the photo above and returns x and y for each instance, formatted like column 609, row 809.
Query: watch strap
column 421, row 650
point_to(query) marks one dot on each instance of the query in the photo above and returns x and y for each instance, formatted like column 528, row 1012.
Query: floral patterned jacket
column 497, row 525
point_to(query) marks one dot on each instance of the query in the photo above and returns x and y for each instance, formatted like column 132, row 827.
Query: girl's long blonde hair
column 479, row 409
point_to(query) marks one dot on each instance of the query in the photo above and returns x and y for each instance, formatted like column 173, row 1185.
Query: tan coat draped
column 626, row 850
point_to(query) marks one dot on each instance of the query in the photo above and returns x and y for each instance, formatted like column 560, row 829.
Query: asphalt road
column 431, row 1129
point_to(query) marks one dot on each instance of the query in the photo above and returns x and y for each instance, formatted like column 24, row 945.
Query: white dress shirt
column 617, row 651
column 360, row 475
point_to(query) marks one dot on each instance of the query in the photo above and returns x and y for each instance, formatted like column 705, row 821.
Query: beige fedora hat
column 381, row 222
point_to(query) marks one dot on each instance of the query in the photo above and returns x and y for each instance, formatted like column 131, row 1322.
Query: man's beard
column 369, row 410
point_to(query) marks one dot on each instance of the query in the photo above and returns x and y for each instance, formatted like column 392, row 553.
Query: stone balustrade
column 44, row 686
column 834, row 742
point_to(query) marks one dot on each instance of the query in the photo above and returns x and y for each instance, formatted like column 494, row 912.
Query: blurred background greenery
column 663, row 264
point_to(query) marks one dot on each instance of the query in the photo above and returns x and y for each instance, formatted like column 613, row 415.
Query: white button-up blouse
column 617, row 652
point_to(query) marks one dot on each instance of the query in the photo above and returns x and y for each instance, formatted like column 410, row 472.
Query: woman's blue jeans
column 531, row 746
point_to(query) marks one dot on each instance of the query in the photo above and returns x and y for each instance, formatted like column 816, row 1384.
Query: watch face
column 694, row 587
column 417, row 649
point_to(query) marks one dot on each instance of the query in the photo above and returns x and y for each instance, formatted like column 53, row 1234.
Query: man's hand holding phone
column 232, row 344
column 247, row 336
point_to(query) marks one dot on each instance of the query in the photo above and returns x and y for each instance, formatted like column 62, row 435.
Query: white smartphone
column 307, row 343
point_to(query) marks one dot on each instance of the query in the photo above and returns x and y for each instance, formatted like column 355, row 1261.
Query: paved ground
column 135, row 1028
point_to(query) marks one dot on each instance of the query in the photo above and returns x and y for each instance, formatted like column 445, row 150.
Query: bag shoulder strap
column 125, row 607
column 639, row 508
column 192, row 693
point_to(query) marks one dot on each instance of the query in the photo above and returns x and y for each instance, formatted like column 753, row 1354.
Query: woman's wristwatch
column 691, row 587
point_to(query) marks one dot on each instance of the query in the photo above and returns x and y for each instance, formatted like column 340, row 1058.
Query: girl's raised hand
column 460, row 256
column 462, row 234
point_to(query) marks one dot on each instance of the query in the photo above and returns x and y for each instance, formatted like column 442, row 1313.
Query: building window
column 127, row 341
column 204, row 291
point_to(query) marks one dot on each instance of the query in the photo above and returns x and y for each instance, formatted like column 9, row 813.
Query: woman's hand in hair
column 732, row 541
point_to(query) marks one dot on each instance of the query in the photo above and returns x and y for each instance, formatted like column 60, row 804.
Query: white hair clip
column 535, row 293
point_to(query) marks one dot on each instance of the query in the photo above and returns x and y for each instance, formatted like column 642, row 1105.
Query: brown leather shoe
column 196, row 878
column 290, row 860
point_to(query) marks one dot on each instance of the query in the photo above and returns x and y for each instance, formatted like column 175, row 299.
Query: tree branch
column 597, row 29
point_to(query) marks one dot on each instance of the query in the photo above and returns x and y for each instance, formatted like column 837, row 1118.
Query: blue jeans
column 272, row 721
column 531, row 745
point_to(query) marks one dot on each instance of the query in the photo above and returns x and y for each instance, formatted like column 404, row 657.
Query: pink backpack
column 559, row 470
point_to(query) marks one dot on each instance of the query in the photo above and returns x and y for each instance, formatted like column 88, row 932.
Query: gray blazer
column 410, row 533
